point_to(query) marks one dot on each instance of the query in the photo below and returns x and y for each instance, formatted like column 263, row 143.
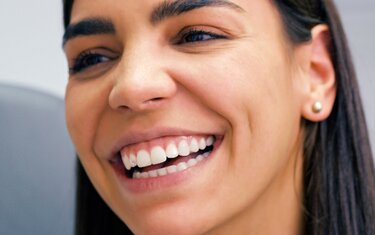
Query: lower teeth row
column 170, row 169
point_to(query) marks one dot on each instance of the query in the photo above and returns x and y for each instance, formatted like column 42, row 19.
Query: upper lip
column 133, row 137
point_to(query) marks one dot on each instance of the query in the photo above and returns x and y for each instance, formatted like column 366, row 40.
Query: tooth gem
column 158, row 155
column 143, row 159
column 183, row 148
column 171, row 151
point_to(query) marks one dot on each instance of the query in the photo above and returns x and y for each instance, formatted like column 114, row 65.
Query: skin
column 253, row 88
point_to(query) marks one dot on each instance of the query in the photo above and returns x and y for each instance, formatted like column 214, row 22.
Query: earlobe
column 321, row 81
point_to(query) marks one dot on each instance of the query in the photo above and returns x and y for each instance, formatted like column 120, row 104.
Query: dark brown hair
column 339, row 178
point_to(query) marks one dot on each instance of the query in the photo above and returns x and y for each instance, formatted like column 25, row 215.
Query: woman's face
column 214, row 83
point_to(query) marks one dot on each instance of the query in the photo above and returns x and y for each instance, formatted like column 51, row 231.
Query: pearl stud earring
column 317, row 107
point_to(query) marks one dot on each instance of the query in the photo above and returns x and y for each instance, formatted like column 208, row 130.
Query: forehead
column 115, row 8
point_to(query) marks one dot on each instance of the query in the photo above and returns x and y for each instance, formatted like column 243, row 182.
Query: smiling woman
column 216, row 117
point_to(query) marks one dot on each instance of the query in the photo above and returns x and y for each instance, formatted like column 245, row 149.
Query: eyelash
column 89, row 58
column 199, row 33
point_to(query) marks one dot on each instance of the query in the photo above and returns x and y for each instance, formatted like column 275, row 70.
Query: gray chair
column 37, row 164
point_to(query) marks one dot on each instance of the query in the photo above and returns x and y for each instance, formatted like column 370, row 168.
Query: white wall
column 31, row 54
column 30, row 44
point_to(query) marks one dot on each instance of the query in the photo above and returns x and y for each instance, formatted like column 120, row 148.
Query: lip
column 162, row 183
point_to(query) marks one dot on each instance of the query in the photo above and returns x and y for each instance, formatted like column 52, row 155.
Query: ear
column 320, row 80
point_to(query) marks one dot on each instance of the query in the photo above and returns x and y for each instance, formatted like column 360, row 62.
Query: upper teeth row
column 158, row 154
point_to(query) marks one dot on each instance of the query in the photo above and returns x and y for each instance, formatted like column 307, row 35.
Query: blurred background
column 32, row 57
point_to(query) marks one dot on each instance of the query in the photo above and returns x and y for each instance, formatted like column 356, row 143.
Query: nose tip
column 140, row 93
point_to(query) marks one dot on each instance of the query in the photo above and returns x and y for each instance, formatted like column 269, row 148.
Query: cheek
column 259, row 101
column 84, row 104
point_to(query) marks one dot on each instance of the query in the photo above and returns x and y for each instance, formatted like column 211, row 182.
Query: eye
column 195, row 36
column 89, row 59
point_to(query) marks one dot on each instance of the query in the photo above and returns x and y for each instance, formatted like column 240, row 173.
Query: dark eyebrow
column 87, row 27
column 168, row 9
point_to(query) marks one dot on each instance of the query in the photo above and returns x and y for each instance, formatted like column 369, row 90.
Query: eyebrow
column 88, row 27
column 168, row 9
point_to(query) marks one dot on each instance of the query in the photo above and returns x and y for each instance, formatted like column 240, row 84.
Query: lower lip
column 160, row 183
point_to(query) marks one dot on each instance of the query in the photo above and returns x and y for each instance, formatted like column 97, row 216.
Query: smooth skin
column 250, row 85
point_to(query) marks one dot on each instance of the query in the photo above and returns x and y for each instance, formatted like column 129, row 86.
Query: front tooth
column 133, row 160
column 202, row 144
column 210, row 141
column 194, row 147
column 158, row 155
column 172, row 151
column 126, row 162
column 143, row 159
column 183, row 148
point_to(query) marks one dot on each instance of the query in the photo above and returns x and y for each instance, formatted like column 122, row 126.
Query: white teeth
column 143, row 159
column 181, row 166
column 171, row 150
column 137, row 175
column 183, row 148
column 210, row 141
column 158, row 155
column 126, row 162
column 162, row 171
column 172, row 169
column 199, row 158
column 202, row 144
column 192, row 162
column 153, row 173
column 194, row 147
column 133, row 160
column 144, row 175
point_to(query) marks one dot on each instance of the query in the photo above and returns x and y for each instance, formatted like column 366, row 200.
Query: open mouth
column 164, row 159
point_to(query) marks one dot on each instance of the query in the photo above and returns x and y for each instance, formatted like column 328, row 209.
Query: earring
column 317, row 107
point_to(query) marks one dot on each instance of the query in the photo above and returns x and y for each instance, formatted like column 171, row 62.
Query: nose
column 141, row 83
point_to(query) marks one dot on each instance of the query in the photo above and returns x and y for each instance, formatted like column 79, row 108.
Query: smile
column 165, row 156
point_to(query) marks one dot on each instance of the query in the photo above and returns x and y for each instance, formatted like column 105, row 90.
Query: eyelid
column 93, row 51
column 196, row 29
column 95, row 69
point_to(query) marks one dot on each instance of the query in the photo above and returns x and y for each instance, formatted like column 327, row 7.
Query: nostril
column 156, row 99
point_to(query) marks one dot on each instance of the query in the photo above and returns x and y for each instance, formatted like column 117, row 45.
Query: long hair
column 339, row 178
column 338, row 173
